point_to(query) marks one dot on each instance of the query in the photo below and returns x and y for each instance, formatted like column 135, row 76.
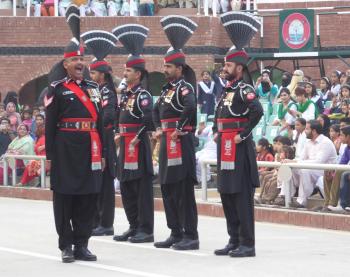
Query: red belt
column 226, row 127
column 77, row 124
column 131, row 154
column 170, row 124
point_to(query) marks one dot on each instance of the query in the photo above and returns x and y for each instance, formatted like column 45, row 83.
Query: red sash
column 228, row 145
column 131, row 155
column 174, row 152
column 96, row 149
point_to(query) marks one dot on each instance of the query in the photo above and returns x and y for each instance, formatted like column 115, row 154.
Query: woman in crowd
column 298, row 76
column 325, row 89
column 33, row 168
column 335, row 82
column 285, row 118
column 23, row 144
column 313, row 95
column 325, row 122
column 206, row 94
column 27, row 118
column 13, row 116
column 264, row 87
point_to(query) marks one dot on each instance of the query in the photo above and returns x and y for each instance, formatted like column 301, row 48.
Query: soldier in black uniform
column 74, row 132
column 238, row 112
column 101, row 43
column 175, row 119
column 135, row 168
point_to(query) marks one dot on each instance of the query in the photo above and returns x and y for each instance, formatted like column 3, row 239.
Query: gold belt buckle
column 86, row 125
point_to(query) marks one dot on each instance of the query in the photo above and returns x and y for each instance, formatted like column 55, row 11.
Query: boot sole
column 68, row 260
column 187, row 248
column 141, row 241
column 104, row 234
column 242, row 255
column 86, row 259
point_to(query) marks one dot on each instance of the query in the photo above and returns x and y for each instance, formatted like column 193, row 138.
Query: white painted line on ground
column 151, row 247
column 87, row 264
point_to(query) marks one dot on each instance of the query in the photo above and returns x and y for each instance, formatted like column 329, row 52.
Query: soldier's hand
column 158, row 133
column 117, row 139
column 134, row 141
column 174, row 135
column 238, row 139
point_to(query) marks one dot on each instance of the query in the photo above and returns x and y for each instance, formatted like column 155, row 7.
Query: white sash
column 205, row 87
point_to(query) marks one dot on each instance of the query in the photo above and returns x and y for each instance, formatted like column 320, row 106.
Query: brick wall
column 22, row 31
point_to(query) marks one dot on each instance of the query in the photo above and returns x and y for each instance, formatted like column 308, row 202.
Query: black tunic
column 110, row 105
column 70, row 151
column 243, row 105
column 180, row 104
column 136, row 108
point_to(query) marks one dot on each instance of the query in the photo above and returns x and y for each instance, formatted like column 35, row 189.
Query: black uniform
column 136, row 182
column 178, row 100
column 106, row 199
column 236, row 187
column 75, row 185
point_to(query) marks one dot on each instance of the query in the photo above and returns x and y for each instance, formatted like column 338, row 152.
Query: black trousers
column 106, row 202
column 137, row 198
column 180, row 208
column 239, row 213
column 74, row 217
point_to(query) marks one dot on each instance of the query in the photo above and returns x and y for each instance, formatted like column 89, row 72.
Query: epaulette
column 247, row 92
column 56, row 83
column 91, row 83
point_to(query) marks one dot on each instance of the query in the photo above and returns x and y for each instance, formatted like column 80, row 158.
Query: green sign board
column 296, row 30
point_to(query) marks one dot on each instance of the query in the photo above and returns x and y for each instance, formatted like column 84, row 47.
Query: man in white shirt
column 318, row 150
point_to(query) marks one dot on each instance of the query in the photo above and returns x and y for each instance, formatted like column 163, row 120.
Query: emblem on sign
column 296, row 31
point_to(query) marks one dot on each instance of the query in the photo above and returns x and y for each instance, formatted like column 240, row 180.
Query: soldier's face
column 75, row 67
column 131, row 75
column 171, row 71
column 96, row 76
column 232, row 70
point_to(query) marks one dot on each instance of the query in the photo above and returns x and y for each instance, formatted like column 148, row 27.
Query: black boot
column 102, row 231
column 168, row 242
column 127, row 234
column 84, row 254
column 243, row 251
column 141, row 237
column 67, row 255
column 187, row 244
column 226, row 250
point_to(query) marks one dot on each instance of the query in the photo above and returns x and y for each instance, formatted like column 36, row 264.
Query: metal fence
column 7, row 157
column 289, row 166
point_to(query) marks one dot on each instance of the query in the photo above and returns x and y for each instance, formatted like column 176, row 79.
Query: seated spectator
column 333, row 179
column 313, row 95
column 2, row 110
column 38, row 122
column 203, row 131
column 318, row 150
column 335, row 82
column 297, row 77
column 62, row 7
column 325, row 123
column 344, row 96
column 33, row 168
column 285, row 118
column 265, row 153
column 271, row 186
column 334, row 135
column 206, row 94
column 325, row 89
column 27, row 118
column 146, row 7
column 209, row 151
column 299, row 137
column 264, row 87
column 342, row 78
column 6, row 135
column 47, row 8
column 13, row 116
column 23, row 144
column 98, row 7
column 36, row 111
column 306, row 108
column 12, row 96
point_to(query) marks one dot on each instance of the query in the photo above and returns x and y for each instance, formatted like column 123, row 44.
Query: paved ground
column 28, row 248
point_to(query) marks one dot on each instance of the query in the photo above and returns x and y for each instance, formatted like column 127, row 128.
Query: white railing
column 7, row 157
column 288, row 195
